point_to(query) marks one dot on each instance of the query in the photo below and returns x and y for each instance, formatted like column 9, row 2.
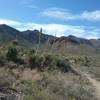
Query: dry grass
column 47, row 85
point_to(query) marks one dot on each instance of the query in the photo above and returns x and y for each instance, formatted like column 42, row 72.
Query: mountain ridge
column 30, row 37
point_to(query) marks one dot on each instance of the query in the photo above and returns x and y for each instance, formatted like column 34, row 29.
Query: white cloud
column 9, row 22
column 93, row 15
column 28, row 3
column 63, row 30
column 67, row 15
column 59, row 13
column 53, row 29
column 56, row 29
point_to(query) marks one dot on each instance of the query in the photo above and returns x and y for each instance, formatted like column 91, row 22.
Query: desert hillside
column 49, row 68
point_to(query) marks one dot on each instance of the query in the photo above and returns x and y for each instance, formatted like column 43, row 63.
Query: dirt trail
column 93, row 81
column 96, row 85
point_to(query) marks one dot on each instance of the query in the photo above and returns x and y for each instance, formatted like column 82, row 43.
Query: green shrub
column 63, row 65
column 32, row 61
column 50, row 62
column 36, row 61
column 48, row 59
column 42, row 62
column 12, row 54
column 32, row 51
column 2, row 61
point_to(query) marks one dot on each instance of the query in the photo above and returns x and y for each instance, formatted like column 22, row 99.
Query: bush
column 32, row 61
column 49, row 62
column 63, row 65
column 36, row 61
column 12, row 54
column 2, row 61
column 57, row 86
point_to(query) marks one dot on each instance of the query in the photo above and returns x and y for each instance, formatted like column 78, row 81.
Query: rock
column 9, row 94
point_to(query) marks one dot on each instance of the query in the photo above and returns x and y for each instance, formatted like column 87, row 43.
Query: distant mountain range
column 28, row 38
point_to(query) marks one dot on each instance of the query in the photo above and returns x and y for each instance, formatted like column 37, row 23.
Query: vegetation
column 49, row 85
column 12, row 52
column 46, row 76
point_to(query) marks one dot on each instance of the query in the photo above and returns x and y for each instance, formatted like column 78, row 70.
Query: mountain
column 75, row 45
column 77, row 41
column 28, row 38
column 33, row 36
column 96, row 43
column 8, row 33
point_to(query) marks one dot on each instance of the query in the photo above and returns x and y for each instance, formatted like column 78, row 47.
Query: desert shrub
column 49, row 62
column 5, row 83
column 31, row 62
column 32, row 51
column 57, row 86
column 42, row 62
column 2, row 61
column 63, row 65
column 37, row 61
column 20, row 61
column 48, row 59
column 12, row 54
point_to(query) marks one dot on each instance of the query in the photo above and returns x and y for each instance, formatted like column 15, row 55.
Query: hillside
column 65, row 44
column 62, row 68
column 26, row 38
column 31, row 75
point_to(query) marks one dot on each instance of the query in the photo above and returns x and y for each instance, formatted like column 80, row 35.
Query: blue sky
column 57, row 17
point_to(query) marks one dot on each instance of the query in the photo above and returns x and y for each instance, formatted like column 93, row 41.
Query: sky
column 80, row 18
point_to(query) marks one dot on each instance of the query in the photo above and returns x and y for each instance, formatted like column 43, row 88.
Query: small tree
column 12, row 51
column 12, row 54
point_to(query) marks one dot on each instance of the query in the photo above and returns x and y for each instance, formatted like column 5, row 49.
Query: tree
column 12, row 51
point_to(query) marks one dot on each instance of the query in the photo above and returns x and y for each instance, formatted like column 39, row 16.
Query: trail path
column 94, row 82
column 96, row 85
